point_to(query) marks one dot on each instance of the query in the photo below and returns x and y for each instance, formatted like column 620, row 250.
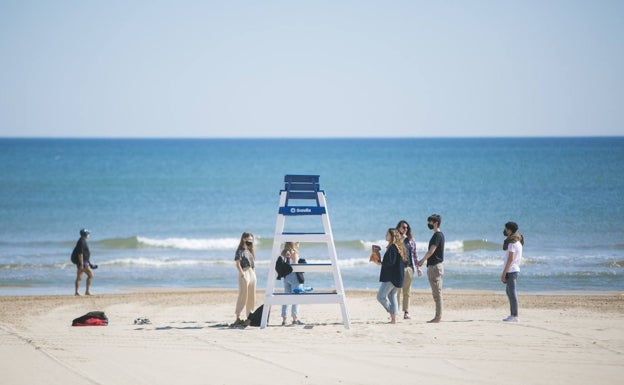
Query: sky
column 240, row 69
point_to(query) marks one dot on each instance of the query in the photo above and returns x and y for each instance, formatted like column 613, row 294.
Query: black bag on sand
column 256, row 317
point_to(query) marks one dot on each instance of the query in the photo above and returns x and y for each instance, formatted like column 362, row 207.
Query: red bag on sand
column 94, row 318
column 92, row 322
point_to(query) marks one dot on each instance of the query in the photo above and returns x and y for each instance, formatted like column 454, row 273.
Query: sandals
column 406, row 316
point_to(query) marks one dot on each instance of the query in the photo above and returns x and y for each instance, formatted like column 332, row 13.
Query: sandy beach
column 570, row 338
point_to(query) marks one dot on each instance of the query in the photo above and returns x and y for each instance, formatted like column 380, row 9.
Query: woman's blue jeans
column 290, row 284
column 387, row 297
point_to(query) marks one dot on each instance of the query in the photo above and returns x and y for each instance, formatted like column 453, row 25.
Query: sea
column 169, row 213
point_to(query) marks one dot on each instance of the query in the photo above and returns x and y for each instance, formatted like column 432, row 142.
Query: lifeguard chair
column 300, row 197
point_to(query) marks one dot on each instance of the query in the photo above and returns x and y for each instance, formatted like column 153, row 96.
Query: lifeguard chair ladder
column 309, row 201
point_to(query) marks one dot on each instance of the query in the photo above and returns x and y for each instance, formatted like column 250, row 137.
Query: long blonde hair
column 291, row 247
column 397, row 240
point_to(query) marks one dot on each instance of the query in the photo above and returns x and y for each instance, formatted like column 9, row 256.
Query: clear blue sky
column 137, row 68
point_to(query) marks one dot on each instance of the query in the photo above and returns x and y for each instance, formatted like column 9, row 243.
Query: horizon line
column 298, row 137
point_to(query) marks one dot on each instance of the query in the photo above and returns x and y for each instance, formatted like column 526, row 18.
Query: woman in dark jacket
column 392, row 272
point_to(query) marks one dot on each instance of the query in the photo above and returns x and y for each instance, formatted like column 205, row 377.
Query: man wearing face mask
column 435, row 263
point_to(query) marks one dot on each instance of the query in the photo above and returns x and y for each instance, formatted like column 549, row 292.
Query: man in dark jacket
column 81, row 256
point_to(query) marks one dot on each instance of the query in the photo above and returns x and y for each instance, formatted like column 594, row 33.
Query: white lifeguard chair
column 302, row 197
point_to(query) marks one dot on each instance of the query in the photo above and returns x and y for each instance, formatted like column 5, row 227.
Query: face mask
column 430, row 226
column 249, row 244
column 505, row 232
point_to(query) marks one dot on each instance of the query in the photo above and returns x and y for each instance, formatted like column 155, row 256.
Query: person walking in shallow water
column 513, row 244
column 81, row 257
column 435, row 264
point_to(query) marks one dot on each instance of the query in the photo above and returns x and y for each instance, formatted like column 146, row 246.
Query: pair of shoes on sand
column 297, row 322
column 511, row 318
column 240, row 322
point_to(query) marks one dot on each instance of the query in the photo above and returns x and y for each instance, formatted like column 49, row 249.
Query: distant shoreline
column 29, row 291
column 602, row 301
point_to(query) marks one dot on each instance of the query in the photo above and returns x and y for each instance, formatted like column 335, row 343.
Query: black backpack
column 256, row 317
column 74, row 255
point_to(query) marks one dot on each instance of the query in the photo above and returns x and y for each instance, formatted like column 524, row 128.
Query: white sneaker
column 510, row 319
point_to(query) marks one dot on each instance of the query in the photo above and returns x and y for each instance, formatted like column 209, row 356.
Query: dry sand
column 574, row 338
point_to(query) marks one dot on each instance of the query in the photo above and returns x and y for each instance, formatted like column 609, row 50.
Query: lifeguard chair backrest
column 302, row 187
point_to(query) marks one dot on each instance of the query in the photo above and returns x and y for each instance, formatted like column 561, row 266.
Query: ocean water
column 169, row 213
